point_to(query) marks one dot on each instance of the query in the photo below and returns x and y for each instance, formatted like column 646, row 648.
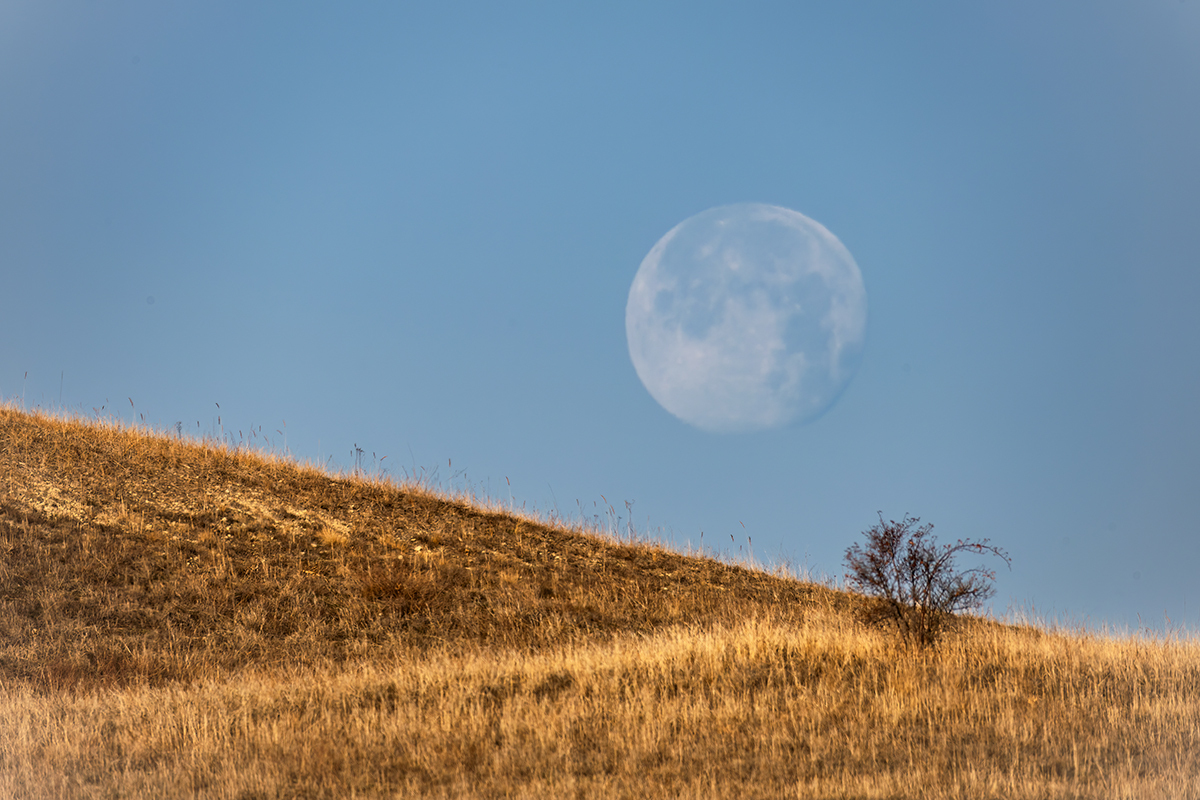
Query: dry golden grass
column 181, row 620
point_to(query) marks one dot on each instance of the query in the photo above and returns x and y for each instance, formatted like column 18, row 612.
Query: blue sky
column 413, row 228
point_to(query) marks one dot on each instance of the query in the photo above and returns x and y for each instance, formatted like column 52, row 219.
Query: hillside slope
column 182, row 620
column 139, row 558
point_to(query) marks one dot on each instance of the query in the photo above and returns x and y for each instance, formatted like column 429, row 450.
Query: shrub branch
column 914, row 578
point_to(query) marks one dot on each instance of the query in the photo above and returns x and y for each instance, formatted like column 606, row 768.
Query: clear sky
column 413, row 227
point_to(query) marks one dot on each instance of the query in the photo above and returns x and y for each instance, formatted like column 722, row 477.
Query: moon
column 746, row 317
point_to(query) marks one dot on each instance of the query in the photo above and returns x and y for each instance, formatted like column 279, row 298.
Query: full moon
column 746, row 317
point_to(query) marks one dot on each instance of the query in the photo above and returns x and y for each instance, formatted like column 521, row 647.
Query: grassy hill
column 182, row 619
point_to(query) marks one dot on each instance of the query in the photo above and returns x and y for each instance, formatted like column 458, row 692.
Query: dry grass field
column 184, row 619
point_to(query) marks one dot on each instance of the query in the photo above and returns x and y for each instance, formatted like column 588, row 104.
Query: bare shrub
column 914, row 580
